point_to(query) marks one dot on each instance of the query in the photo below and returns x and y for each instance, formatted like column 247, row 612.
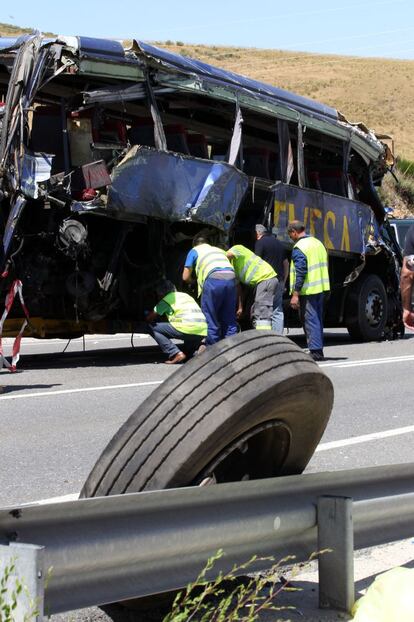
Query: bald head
column 296, row 225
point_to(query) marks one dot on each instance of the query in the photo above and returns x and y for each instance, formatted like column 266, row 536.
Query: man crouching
column 186, row 322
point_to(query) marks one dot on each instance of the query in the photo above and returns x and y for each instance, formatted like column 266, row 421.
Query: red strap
column 15, row 288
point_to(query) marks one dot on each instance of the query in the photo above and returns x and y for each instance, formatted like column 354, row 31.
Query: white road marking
column 365, row 438
column 321, row 447
column 88, row 339
column 363, row 362
column 359, row 363
column 22, row 396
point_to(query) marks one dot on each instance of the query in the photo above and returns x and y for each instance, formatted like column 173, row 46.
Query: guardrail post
column 336, row 568
column 23, row 563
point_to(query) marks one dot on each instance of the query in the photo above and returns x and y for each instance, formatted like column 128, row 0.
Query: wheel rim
column 374, row 309
column 258, row 453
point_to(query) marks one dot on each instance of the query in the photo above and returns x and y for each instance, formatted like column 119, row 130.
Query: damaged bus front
column 113, row 157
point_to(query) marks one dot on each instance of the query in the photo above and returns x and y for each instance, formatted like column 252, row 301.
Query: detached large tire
column 367, row 308
column 252, row 406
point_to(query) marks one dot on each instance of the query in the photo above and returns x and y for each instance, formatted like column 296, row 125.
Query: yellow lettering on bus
column 279, row 206
column 345, row 243
column 306, row 217
column 329, row 217
column 314, row 215
column 282, row 206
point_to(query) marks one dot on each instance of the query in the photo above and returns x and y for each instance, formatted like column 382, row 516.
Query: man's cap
column 260, row 229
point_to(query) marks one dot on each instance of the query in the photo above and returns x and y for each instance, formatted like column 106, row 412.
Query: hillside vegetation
column 8, row 30
column 377, row 91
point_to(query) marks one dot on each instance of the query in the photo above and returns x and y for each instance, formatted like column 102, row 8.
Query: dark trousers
column 218, row 303
column 163, row 332
column 311, row 315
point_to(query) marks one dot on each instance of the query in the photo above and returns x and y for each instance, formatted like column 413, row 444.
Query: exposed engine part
column 72, row 238
column 108, row 279
column 106, row 282
column 80, row 283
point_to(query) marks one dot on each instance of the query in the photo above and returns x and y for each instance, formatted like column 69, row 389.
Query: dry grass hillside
column 377, row 91
column 8, row 30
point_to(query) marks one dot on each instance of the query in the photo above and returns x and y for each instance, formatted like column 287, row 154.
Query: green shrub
column 405, row 189
column 405, row 166
column 227, row 598
column 397, row 191
column 10, row 588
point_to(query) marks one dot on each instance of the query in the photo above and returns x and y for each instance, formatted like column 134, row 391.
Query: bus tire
column 367, row 308
column 259, row 390
column 254, row 405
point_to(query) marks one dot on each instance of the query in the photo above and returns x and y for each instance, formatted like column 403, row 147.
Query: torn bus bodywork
column 113, row 157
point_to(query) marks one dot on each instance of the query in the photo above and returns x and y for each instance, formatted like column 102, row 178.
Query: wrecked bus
column 113, row 156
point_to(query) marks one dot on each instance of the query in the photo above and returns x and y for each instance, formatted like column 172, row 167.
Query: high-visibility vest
column 209, row 258
column 250, row 269
column 263, row 324
column 187, row 316
column 317, row 276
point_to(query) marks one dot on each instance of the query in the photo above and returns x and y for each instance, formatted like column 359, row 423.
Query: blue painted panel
column 173, row 187
column 343, row 225
column 102, row 48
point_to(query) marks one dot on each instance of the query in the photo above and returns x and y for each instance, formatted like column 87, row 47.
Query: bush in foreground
column 228, row 598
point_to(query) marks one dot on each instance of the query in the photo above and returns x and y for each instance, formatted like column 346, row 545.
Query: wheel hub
column 374, row 309
column 234, row 462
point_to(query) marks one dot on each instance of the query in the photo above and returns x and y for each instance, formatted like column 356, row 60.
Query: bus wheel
column 366, row 308
column 251, row 406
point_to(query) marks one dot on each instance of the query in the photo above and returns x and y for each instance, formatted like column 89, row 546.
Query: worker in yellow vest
column 253, row 271
column 309, row 280
column 186, row 322
column 216, row 286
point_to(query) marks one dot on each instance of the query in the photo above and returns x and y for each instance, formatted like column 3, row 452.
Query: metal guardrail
column 109, row 549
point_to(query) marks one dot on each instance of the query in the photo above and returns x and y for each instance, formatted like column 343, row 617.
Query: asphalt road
column 61, row 409
column 67, row 401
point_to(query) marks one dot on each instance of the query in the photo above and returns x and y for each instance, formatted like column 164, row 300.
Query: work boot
column 317, row 355
column 178, row 358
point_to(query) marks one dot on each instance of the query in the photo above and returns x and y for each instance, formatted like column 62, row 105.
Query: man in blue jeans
column 186, row 322
column 309, row 281
column 216, row 285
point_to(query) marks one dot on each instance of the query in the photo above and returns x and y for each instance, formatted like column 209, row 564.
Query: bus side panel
column 344, row 226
